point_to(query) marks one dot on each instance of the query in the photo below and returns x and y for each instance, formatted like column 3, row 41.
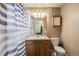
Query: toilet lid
column 59, row 49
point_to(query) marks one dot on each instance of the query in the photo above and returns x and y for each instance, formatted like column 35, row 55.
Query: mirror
column 40, row 25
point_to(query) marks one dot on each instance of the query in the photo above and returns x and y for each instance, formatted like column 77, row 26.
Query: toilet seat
column 59, row 49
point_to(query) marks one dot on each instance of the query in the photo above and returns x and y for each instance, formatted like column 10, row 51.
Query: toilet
column 58, row 51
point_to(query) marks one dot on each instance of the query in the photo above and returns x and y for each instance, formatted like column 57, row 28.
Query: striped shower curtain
column 14, row 29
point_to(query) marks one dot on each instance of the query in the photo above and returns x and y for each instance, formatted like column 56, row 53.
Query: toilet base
column 60, row 54
column 54, row 53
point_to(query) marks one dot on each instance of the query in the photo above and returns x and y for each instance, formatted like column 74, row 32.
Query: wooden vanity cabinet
column 38, row 47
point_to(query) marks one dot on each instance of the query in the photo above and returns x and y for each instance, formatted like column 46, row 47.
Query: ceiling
column 43, row 4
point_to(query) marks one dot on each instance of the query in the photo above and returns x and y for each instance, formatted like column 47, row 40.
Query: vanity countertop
column 38, row 37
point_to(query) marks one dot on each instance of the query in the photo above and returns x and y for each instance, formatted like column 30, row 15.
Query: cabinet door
column 43, row 48
column 30, row 50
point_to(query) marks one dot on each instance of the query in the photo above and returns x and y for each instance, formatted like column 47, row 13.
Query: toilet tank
column 55, row 41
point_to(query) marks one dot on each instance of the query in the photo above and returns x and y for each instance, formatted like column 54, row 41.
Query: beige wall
column 70, row 28
column 53, row 31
